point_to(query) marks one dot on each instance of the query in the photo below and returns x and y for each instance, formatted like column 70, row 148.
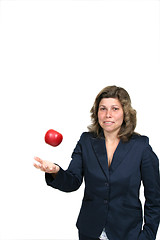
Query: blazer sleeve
column 151, row 182
column 71, row 179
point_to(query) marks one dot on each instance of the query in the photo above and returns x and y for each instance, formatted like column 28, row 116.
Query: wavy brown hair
column 129, row 122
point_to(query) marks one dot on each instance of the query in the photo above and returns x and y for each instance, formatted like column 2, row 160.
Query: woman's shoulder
column 87, row 135
column 140, row 139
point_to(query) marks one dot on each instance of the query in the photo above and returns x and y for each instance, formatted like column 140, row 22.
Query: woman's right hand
column 46, row 166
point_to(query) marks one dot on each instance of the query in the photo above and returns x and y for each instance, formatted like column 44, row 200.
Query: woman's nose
column 108, row 114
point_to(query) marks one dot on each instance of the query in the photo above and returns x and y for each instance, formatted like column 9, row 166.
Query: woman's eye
column 115, row 109
column 102, row 109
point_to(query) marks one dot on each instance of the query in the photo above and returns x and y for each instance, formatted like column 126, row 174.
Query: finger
column 36, row 165
column 46, row 168
column 49, row 169
column 43, row 168
column 38, row 160
column 54, row 169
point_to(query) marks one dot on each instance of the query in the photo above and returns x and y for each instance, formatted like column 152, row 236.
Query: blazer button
column 105, row 201
column 106, row 184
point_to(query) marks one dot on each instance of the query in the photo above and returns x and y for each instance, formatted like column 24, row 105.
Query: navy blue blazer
column 111, row 195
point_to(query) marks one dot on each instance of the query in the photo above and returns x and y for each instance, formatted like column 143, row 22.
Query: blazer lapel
column 120, row 153
column 101, row 154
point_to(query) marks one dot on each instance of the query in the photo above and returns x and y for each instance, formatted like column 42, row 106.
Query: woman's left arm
column 151, row 181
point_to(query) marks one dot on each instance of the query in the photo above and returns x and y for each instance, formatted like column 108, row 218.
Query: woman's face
column 110, row 115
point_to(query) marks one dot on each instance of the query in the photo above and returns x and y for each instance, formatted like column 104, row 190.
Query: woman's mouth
column 108, row 122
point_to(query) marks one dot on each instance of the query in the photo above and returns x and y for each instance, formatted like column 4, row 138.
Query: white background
column 55, row 56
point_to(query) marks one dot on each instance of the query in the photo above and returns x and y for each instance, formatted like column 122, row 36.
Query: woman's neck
column 111, row 137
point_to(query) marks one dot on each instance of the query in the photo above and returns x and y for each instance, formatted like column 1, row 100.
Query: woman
column 113, row 160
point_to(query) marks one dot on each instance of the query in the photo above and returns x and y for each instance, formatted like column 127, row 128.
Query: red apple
column 53, row 138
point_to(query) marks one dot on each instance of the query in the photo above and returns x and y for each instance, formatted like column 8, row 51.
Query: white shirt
column 103, row 235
